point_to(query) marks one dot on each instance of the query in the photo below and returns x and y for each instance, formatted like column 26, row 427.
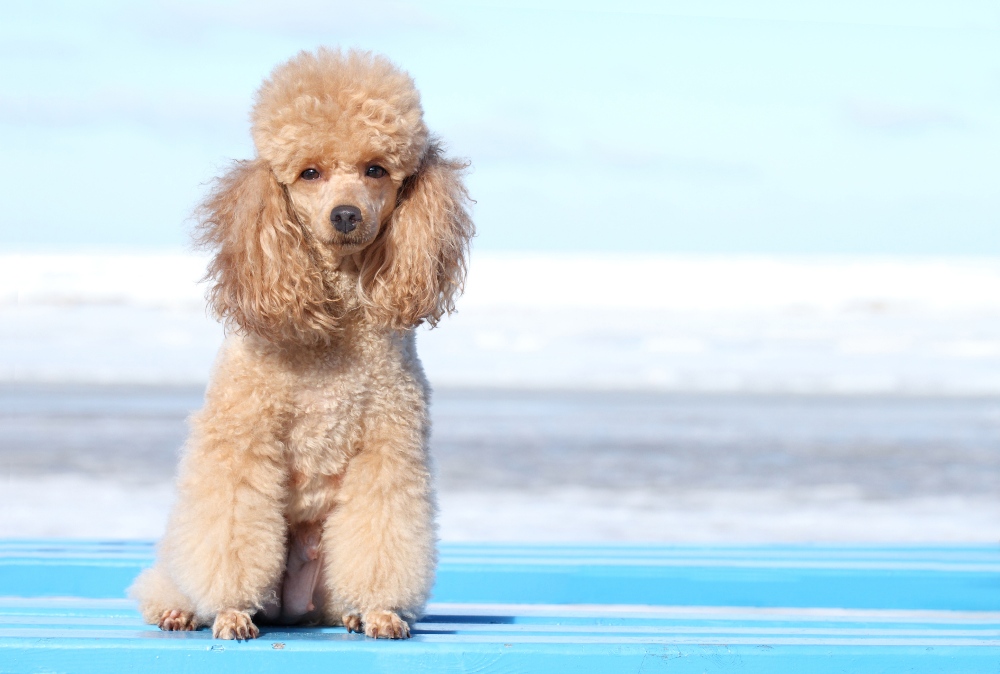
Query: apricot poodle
column 304, row 494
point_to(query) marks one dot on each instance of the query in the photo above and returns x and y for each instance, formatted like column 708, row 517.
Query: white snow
column 662, row 322
column 81, row 507
column 746, row 324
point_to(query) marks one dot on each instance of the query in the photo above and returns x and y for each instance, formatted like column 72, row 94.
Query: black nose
column 345, row 218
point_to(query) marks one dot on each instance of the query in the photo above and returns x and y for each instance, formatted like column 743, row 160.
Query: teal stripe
column 418, row 655
column 961, row 578
column 81, row 636
column 553, row 609
column 511, row 619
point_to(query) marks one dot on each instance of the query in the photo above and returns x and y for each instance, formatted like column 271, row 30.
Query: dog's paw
column 177, row 621
column 352, row 622
column 385, row 625
column 234, row 625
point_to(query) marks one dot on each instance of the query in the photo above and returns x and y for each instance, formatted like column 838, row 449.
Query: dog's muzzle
column 345, row 219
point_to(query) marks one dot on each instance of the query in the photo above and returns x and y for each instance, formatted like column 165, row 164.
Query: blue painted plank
column 504, row 608
column 506, row 638
column 350, row 653
column 722, row 586
column 959, row 578
column 563, row 618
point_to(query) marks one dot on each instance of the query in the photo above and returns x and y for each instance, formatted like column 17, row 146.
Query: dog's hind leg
column 161, row 603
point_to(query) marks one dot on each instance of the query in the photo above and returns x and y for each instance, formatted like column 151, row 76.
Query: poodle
column 304, row 493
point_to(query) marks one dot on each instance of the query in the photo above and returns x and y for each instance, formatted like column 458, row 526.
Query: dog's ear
column 264, row 278
column 416, row 268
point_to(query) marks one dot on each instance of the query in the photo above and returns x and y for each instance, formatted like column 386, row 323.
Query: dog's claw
column 234, row 625
column 352, row 623
column 177, row 621
column 385, row 625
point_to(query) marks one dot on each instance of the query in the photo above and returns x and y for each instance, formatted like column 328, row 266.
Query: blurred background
column 737, row 275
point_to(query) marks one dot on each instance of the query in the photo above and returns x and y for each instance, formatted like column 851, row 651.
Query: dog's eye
column 310, row 174
column 376, row 172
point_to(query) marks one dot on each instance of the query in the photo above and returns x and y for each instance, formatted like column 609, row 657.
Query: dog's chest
column 324, row 434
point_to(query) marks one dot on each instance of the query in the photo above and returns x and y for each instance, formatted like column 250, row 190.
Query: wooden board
column 504, row 608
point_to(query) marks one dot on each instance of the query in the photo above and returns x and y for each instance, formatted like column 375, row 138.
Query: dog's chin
column 346, row 244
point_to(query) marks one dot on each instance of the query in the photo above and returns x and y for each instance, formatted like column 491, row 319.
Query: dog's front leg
column 379, row 541
column 225, row 543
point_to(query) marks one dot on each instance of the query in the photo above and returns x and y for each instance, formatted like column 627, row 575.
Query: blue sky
column 773, row 127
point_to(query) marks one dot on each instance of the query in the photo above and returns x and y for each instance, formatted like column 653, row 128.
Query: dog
column 304, row 493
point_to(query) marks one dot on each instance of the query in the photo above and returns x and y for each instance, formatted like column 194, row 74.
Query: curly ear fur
column 415, row 269
column 265, row 279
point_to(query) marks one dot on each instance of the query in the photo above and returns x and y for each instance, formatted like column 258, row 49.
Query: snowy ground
column 579, row 397
column 669, row 323
column 77, row 507
column 97, row 461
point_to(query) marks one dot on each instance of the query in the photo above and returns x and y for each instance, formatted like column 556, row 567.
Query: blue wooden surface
column 958, row 578
column 510, row 608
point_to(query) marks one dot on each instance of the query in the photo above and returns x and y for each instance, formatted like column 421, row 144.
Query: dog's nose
column 345, row 218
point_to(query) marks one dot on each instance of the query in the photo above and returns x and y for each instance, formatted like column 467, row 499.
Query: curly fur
column 414, row 271
column 267, row 280
column 312, row 445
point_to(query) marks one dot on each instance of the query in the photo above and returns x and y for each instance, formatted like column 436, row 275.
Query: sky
column 703, row 127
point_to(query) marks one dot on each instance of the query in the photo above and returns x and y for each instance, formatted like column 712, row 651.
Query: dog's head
column 346, row 170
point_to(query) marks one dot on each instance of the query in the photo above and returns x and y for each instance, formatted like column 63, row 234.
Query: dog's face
column 344, row 204
column 346, row 163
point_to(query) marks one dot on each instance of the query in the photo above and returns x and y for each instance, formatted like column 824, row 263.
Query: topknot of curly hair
column 335, row 104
